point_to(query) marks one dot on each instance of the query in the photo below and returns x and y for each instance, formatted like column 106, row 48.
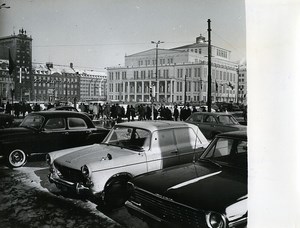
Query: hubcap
column 17, row 158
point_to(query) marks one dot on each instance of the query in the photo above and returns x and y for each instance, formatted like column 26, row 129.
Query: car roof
column 212, row 113
column 153, row 125
column 58, row 113
column 234, row 134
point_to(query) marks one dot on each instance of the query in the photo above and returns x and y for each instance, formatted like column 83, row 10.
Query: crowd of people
column 111, row 111
column 139, row 112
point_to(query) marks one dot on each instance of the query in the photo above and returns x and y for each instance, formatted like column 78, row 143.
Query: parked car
column 64, row 108
column 101, row 171
column 212, row 124
column 240, row 117
column 6, row 120
column 69, row 108
column 211, row 192
column 46, row 131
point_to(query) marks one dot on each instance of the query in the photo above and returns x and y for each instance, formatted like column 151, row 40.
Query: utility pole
column 155, row 88
column 185, row 90
column 209, row 68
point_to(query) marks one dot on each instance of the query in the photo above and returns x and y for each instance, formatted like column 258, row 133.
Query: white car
column 131, row 148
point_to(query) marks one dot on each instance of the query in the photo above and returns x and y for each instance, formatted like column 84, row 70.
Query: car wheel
column 16, row 158
column 116, row 193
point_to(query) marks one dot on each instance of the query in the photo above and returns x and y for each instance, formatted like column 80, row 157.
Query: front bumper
column 62, row 184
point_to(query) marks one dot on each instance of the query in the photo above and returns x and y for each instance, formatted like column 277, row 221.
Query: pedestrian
column 175, row 113
column 194, row 109
column 100, row 111
column 128, row 113
column 17, row 107
column 95, row 111
column 8, row 108
column 132, row 112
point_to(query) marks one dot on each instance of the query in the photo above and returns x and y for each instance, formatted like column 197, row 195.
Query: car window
column 33, row 121
column 55, row 124
column 196, row 118
column 187, row 137
column 226, row 120
column 210, row 119
column 226, row 146
column 76, row 123
column 131, row 138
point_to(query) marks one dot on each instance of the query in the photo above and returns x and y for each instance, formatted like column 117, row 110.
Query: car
column 100, row 172
column 6, row 120
column 63, row 108
column 211, row 192
column 46, row 131
column 212, row 124
column 240, row 117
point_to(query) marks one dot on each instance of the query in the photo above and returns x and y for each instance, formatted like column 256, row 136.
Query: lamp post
column 209, row 69
column 156, row 65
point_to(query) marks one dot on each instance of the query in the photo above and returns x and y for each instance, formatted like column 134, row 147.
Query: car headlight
column 85, row 171
column 215, row 220
column 48, row 159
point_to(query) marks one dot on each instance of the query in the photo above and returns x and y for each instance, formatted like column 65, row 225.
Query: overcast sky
column 99, row 33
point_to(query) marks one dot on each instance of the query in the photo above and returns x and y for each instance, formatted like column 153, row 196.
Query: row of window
column 160, row 61
column 44, row 91
column 49, row 79
column 181, row 72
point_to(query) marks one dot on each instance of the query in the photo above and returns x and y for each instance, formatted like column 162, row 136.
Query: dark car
column 6, row 120
column 64, row 108
column 46, row 131
column 212, row 124
column 211, row 192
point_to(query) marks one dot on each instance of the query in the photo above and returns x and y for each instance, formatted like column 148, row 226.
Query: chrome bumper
column 63, row 184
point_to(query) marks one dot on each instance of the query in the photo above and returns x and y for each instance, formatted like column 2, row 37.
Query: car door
column 188, row 144
column 52, row 137
column 78, row 131
column 163, row 148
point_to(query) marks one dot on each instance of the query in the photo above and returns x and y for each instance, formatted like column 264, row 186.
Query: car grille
column 168, row 210
column 69, row 174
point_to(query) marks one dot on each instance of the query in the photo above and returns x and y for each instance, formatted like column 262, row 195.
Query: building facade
column 19, row 47
column 93, row 85
column 54, row 83
column 182, row 75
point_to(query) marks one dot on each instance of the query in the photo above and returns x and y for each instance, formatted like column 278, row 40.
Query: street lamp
column 3, row 5
column 156, row 58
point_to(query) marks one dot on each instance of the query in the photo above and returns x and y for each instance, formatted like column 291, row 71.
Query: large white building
column 181, row 72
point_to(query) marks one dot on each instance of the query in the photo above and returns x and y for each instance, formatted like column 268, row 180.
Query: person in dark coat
column 17, row 107
column 8, row 108
column 194, row 109
column 175, row 113
column 132, row 112
column 128, row 113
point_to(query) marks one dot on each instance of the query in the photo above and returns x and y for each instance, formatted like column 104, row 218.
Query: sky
column 94, row 34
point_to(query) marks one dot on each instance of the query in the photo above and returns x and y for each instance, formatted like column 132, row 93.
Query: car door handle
column 66, row 133
column 174, row 152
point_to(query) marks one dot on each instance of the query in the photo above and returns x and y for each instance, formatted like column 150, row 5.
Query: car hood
column 200, row 185
column 92, row 154
column 15, row 131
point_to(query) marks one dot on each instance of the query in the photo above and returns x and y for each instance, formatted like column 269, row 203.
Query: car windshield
column 33, row 121
column 227, row 120
column 129, row 137
column 224, row 149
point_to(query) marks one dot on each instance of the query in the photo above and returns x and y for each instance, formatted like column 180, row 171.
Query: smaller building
column 56, row 83
column 92, row 85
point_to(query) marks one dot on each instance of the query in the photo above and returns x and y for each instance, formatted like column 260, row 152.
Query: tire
column 116, row 193
column 16, row 158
